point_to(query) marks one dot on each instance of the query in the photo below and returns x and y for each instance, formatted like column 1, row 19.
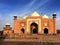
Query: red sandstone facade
column 34, row 24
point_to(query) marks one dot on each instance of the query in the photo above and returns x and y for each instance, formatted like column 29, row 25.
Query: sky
column 9, row 8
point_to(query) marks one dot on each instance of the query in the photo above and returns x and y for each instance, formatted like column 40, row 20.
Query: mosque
column 34, row 24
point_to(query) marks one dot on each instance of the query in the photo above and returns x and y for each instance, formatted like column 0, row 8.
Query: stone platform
column 34, row 38
column 31, row 40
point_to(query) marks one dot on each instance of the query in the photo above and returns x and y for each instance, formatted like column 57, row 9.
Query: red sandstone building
column 34, row 24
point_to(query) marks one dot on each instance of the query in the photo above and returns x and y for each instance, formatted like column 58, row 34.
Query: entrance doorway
column 46, row 31
column 34, row 28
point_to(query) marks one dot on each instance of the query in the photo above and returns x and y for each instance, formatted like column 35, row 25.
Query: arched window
column 46, row 31
column 22, row 30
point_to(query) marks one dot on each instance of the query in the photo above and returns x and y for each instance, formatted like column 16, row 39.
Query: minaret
column 15, row 23
column 54, row 23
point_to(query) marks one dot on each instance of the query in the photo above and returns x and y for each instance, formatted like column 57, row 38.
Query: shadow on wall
column 58, row 31
column 29, row 43
column 2, row 37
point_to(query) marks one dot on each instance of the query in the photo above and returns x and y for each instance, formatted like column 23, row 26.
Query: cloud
column 31, row 6
column 9, row 11
column 58, row 19
column 6, row 19
column 0, row 15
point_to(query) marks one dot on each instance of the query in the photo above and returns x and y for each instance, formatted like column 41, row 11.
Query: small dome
column 45, row 16
column 54, row 13
column 25, row 17
column 7, row 23
column 14, row 15
column 35, row 14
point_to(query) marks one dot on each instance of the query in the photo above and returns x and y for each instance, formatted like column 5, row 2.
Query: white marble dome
column 25, row 17
column 7, row 23
column 35, row 14
column 54, row 13
column 45, row 16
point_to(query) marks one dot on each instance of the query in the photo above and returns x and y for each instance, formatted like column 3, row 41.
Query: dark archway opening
column 35, row 31
column 34, row 28
column 22, row 30
column 46, row 31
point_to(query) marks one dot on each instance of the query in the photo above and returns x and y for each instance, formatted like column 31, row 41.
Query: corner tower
column 15, row 24
column 54, row 22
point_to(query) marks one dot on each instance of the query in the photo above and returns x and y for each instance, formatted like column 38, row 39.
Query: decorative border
column 34, row 20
